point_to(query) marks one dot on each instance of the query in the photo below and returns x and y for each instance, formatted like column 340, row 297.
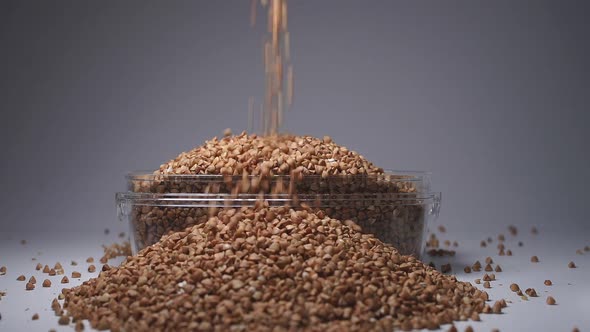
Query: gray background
column 491, row 97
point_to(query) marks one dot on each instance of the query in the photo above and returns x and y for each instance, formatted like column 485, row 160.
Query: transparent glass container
column 399, row 219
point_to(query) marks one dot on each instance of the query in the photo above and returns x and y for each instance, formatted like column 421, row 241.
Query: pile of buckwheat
column 268, row 269
column 289, row 165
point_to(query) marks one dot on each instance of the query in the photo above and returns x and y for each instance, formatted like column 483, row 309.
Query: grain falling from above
column 277, row 67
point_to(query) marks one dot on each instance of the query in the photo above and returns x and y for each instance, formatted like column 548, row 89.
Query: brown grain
column 298, row 267
column 251, row 164
column 497, row 308
column 64, row 320
column 531, row 292
column 513, row 230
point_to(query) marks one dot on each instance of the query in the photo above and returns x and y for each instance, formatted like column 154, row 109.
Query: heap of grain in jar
column 262, row 269
column 301, row 166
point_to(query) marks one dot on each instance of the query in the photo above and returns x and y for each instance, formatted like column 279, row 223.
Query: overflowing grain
column 271, row 268
column 282, row 164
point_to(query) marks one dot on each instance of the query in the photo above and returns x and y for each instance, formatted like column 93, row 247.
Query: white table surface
column 571, row 287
